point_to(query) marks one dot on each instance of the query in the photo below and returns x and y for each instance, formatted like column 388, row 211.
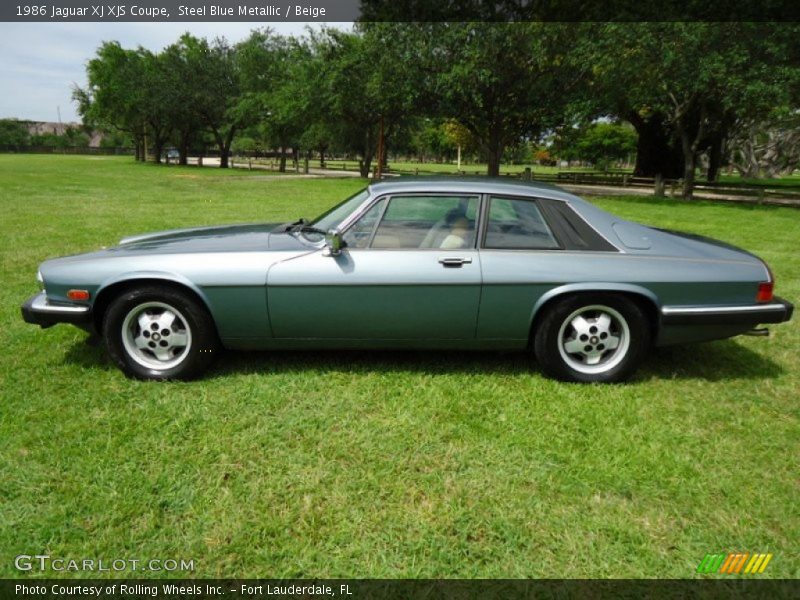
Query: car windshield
column 338, row 213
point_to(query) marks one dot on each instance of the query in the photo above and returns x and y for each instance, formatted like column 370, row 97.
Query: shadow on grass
column 89, row 353
column 715, row 361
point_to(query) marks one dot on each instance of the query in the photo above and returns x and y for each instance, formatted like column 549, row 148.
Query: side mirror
column 333, row 243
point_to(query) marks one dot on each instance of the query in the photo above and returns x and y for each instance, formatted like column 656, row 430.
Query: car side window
column 359, row 235
column 422, row 222
column 517, row 225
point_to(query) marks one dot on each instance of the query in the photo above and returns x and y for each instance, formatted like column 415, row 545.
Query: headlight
column 40, row 279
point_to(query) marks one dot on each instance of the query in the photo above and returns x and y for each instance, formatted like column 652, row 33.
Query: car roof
column 467, row 184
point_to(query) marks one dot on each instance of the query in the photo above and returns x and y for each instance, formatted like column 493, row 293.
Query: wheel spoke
column 141, row 342
column 166, row 319
column 580, row 324
column 574, row 346
column 593, row 358
column 179, row 339
column 162, row 353
column 144, row 321
column 603, row 322
column 611, row 342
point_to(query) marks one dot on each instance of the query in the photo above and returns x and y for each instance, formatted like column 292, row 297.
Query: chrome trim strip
column 725, row 310
column 41, row 304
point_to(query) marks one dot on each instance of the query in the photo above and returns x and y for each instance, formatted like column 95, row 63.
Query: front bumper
column 777, row 311
column 38, row 310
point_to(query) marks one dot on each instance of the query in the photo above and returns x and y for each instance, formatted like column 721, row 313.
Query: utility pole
column 60, row 126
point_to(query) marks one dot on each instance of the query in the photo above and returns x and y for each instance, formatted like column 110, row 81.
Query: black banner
column 360, row 589
column 264, row 11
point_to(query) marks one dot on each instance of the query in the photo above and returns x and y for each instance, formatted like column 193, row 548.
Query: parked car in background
column 418, row 263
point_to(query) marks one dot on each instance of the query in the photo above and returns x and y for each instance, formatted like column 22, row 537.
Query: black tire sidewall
column 546, row 342
column 204, row 347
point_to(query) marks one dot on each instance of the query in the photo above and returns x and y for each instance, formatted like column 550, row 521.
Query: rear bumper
column 38, row 310
column 777, row 311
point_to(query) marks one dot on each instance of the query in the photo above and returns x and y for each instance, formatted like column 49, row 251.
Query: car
column 420, row 263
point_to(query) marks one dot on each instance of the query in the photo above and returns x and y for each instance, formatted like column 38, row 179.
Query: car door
column 520, row 255
column 409, row 270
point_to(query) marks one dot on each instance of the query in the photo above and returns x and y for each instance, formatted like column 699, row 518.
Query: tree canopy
column 689, row 90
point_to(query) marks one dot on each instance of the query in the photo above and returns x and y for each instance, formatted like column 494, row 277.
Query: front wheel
column 159, row 333
column 592, row 338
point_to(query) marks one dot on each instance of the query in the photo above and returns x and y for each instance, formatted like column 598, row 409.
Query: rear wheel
column 592, row 338
column 159, row 333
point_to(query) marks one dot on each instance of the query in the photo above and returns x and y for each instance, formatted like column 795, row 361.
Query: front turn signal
column 80, row 295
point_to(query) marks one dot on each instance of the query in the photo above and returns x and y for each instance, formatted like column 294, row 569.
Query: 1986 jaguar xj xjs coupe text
column 414, row 264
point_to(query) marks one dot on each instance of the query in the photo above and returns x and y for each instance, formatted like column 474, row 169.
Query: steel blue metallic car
column 423, row 263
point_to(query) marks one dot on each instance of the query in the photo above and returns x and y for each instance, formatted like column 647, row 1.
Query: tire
column 591, row 338
column 160, row 333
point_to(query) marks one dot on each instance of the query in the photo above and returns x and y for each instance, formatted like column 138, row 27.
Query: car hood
column 228, row 238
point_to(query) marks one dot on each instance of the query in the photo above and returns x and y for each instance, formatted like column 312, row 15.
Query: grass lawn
column 379, row 464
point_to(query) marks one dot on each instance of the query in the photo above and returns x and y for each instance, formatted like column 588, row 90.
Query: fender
column 158, row 275
column 593, row 287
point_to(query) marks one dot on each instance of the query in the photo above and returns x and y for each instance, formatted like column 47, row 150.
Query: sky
column 40, row 62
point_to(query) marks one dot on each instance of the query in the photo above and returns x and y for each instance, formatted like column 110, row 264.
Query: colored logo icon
column 734, row 563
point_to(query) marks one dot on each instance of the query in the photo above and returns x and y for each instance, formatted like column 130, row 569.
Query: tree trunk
column 321, row 157
column 282, row 167
column 184, row 149
column 367, row 153
column 223, row 156
column 689, row 162
column 715, row 154
column 364, row 166
column 494, row 156
column 224, row 145
column 494, row 147
column 655, row 152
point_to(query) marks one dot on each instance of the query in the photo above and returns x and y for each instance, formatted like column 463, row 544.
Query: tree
column 183, row 88
column 13, row 133
column 601, row 143
column 216, row 94
column 364, row 79
column 275, row 75
column 768, row 147
column 115, row 93
column 695, row 79
column 504, row 82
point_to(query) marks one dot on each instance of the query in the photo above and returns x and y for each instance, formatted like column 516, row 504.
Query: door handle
column 455, row 261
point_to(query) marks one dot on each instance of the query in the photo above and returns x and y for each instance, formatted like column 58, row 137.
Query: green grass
column 292, row 464
column 789, row 181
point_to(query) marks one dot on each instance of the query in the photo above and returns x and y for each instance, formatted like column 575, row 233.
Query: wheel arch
column 644, row 297
column 120, row 284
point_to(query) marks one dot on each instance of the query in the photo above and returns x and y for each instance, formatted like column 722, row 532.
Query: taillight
column 764, row 293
